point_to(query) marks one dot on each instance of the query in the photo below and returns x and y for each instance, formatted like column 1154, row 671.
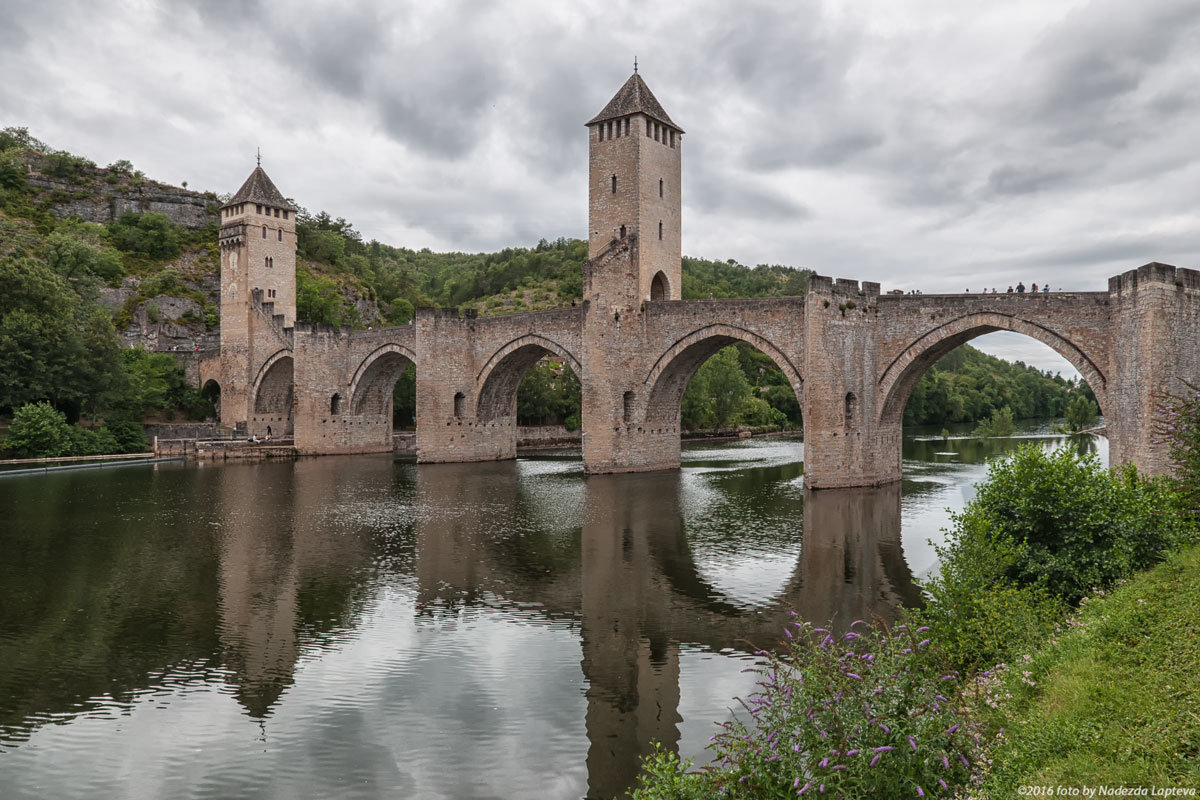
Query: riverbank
column 1113, row 700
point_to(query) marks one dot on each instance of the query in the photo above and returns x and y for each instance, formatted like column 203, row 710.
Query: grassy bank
column 1114, row 700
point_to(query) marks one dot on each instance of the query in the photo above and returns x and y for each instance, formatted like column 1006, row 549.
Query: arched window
column 659, row 289
column 622, row 231
column 628, row 407
column 614, row 184
column 264, row 227
column 460, row 404
column 335, row 404
column 281, row 234
column 851, row 409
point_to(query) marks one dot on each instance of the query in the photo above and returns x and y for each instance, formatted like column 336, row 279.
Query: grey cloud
column 1025, row 179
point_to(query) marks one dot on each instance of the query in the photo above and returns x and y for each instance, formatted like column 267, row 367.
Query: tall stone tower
column 634, row 190
column 258, row 286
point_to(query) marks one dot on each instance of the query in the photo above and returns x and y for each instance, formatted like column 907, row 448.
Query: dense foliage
column 967, row 385
column 1043, row 531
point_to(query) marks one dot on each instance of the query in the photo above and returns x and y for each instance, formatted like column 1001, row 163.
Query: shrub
column 153, row 312
column 1041, row 533
column 152, row 235
column 1081, row 413
column 1000, row 423
column 128, row 436
column 38, row 431
column 92, row 443
column 863, row 715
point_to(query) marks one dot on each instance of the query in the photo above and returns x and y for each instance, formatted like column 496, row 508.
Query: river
column 363, row 627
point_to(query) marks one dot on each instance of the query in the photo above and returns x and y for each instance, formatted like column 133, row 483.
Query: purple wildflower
column 887, row 748
column 912, row 743
column 796, row 783
column 952, row 728
column 807, row 786
column 886, row 730
column 838, row 766
column 851, row 636
column 945, row 761
column 922, row 629
column 923, row 642
column 963, row 759
column 939, row 697
column 852, row 675
column 943, row 783
column 828, row 640
column 920, row 792
column 852, row 753
column 875, row 760
column 820, row 630
column 824, row 762
column 857, row 622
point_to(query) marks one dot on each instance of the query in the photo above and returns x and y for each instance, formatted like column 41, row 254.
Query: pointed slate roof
column 633, row 98
column 259, row 189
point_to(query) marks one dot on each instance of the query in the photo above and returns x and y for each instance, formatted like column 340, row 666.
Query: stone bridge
column 851, row 353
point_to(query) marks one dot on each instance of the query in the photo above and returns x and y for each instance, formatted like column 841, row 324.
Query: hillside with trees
column 104, row 266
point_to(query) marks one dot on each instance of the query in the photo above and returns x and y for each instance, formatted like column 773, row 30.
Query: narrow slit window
column 660, row 187
column 600, row 132
column 285, row 213
column 660, row 230
column 627, row 126
column 672, row 139
column 264, row 227
column 647, row 128
column 628, row 407
column 614, row 184
column 280, row 232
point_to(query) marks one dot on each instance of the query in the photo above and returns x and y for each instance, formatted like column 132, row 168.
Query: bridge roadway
column 851, row 353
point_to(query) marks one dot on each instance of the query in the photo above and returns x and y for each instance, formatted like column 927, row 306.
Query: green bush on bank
column 38, row 430
column 1043, row 531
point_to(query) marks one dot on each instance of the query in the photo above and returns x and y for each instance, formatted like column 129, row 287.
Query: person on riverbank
column 1020, row 288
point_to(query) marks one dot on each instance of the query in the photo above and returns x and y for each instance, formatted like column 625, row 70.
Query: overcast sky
column 923, row 144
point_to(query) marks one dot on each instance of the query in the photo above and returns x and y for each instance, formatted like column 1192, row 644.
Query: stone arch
column 497, row 382
column 211, row 390
column 376, row 376
column 673, row 370
column 660, row 287
column 274, row 384
column 897, row 381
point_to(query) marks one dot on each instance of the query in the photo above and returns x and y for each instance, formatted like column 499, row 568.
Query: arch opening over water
column 384, row 385
column 744, row 379
column 524, row 382
column 931, row 382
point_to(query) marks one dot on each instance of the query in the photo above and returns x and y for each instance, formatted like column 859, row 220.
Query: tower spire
column 635, row 65
column 258, row 152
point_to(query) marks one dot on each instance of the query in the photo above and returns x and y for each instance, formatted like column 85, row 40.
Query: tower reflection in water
column 636, row 586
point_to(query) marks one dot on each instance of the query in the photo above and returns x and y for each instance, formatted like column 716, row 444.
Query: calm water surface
column 364, row 628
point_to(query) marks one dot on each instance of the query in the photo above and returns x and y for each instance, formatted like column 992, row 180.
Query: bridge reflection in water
column 639, row 592
column 237, row 576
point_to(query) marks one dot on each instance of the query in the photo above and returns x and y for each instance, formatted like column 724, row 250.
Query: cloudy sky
column 930, row 144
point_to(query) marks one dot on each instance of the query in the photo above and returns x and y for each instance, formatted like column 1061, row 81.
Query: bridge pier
column 845, row 442
column 1156, row 354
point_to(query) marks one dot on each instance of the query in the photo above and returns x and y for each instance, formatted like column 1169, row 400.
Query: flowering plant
column 861, row 714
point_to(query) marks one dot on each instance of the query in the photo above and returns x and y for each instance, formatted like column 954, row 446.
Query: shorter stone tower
column 634, row 157
column 258, row 289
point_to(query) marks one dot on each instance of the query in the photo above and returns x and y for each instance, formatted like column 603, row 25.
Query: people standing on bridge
column 1020, row 288
column 1045, row 288
column 268, row 431
column 1010, row 289
column 1034, row 289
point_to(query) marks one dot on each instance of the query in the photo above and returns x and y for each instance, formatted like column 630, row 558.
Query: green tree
column 318, row 299
column 39, row 342
column 152, row 235
column 1081, row 413
column 38, row 431
column 1000, row 424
